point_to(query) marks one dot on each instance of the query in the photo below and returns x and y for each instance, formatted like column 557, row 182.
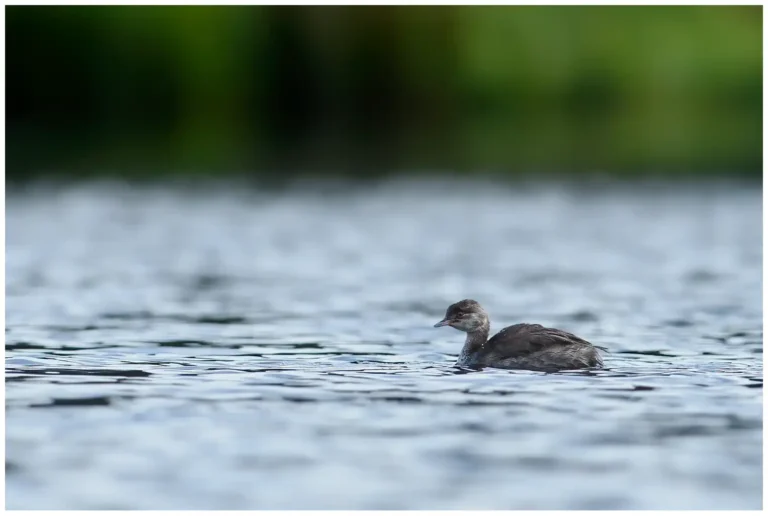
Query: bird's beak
column 444, row 322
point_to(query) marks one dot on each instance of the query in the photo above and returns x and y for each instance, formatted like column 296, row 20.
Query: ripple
column 276, row 351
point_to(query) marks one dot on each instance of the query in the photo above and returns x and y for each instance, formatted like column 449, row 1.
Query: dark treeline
column 360, row 90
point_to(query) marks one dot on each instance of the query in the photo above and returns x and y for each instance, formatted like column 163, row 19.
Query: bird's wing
column 524, row 339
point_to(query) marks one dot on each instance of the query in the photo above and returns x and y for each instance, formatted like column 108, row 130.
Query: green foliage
column 635, row 89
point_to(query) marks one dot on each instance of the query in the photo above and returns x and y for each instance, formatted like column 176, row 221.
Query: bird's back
column 533, row 346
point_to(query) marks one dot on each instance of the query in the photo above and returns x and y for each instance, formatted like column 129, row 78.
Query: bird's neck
column 475, row 341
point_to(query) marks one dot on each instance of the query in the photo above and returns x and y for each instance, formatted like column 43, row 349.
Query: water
column 223, row 348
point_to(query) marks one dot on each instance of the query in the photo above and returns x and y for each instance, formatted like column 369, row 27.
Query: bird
column 520, row 346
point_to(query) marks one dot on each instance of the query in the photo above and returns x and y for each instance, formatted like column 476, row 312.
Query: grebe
column 521, row 346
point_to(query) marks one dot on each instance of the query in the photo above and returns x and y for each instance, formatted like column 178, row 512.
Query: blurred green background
column 360, row 91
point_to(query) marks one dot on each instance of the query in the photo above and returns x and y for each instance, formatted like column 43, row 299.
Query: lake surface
column 229, row 348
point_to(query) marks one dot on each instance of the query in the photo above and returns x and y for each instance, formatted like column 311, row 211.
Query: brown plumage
column 520, row 346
